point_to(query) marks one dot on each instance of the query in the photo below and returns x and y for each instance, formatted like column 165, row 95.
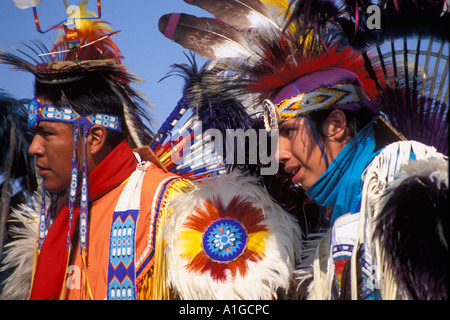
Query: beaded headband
column 304, row 103
column 45, row 112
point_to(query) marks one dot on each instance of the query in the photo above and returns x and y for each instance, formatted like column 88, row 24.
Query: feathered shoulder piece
column 229, row 240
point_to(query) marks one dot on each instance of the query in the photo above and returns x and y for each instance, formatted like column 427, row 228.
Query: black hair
column 356, row 120
column 89, row 95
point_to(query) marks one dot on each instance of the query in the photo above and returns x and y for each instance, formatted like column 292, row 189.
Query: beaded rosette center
column 224, row 240
column 221, row 240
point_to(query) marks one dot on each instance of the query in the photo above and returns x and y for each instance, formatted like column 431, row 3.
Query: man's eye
column 46, row 133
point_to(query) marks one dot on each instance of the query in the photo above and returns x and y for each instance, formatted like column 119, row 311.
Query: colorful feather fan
column 183, row 143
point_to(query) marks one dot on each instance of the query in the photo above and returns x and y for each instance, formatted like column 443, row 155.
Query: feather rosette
column 218, row 238
column 227, row 239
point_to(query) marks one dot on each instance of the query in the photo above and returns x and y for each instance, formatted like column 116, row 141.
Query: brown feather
column 205, row 36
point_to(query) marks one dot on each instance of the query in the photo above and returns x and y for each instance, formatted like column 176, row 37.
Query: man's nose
column 36, row 148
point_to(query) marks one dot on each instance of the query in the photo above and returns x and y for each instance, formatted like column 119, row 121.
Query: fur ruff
column 265, row 277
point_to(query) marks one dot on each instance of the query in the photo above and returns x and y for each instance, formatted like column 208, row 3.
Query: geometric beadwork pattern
column 45, row 112
column 224, row 240
column 121, row 268
column 304, row 103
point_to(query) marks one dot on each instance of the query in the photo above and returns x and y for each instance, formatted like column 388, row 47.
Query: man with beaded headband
column 97, row 237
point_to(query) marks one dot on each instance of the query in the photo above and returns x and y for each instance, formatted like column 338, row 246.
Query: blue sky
column 147, row 52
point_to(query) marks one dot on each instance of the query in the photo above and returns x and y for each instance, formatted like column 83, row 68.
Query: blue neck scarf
column 339, row 187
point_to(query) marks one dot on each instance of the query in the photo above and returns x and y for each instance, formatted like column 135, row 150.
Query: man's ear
column 335, row 126
column 96, row 139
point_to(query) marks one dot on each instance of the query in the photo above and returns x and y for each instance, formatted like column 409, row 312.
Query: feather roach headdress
column 196, row 130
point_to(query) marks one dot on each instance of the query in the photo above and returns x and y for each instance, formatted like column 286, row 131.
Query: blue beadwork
column 225, row 240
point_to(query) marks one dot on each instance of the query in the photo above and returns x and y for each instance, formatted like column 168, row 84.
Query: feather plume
column 97, row 55
column 13, row 114
column 17, row 174
column 238, row 13
column 205, row 36
column 208, row 99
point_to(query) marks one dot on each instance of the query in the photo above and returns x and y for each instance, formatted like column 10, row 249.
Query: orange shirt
column 100, row 221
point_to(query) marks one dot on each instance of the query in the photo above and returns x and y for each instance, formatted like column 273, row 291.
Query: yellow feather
column 190, row 243
column 257, row 242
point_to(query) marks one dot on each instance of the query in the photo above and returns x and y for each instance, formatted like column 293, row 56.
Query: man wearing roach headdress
column 114, row 223
column 382, row 199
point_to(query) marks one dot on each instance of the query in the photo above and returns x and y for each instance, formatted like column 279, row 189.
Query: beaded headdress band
column 305, row 103
column 44, row 112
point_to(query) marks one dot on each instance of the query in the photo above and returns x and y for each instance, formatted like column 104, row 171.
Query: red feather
column 295, row 63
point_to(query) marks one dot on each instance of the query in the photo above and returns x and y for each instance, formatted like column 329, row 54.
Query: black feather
column 347, row 19
column 413, row 229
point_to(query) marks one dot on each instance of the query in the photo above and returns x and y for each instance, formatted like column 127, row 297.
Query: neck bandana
column 338, row 187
